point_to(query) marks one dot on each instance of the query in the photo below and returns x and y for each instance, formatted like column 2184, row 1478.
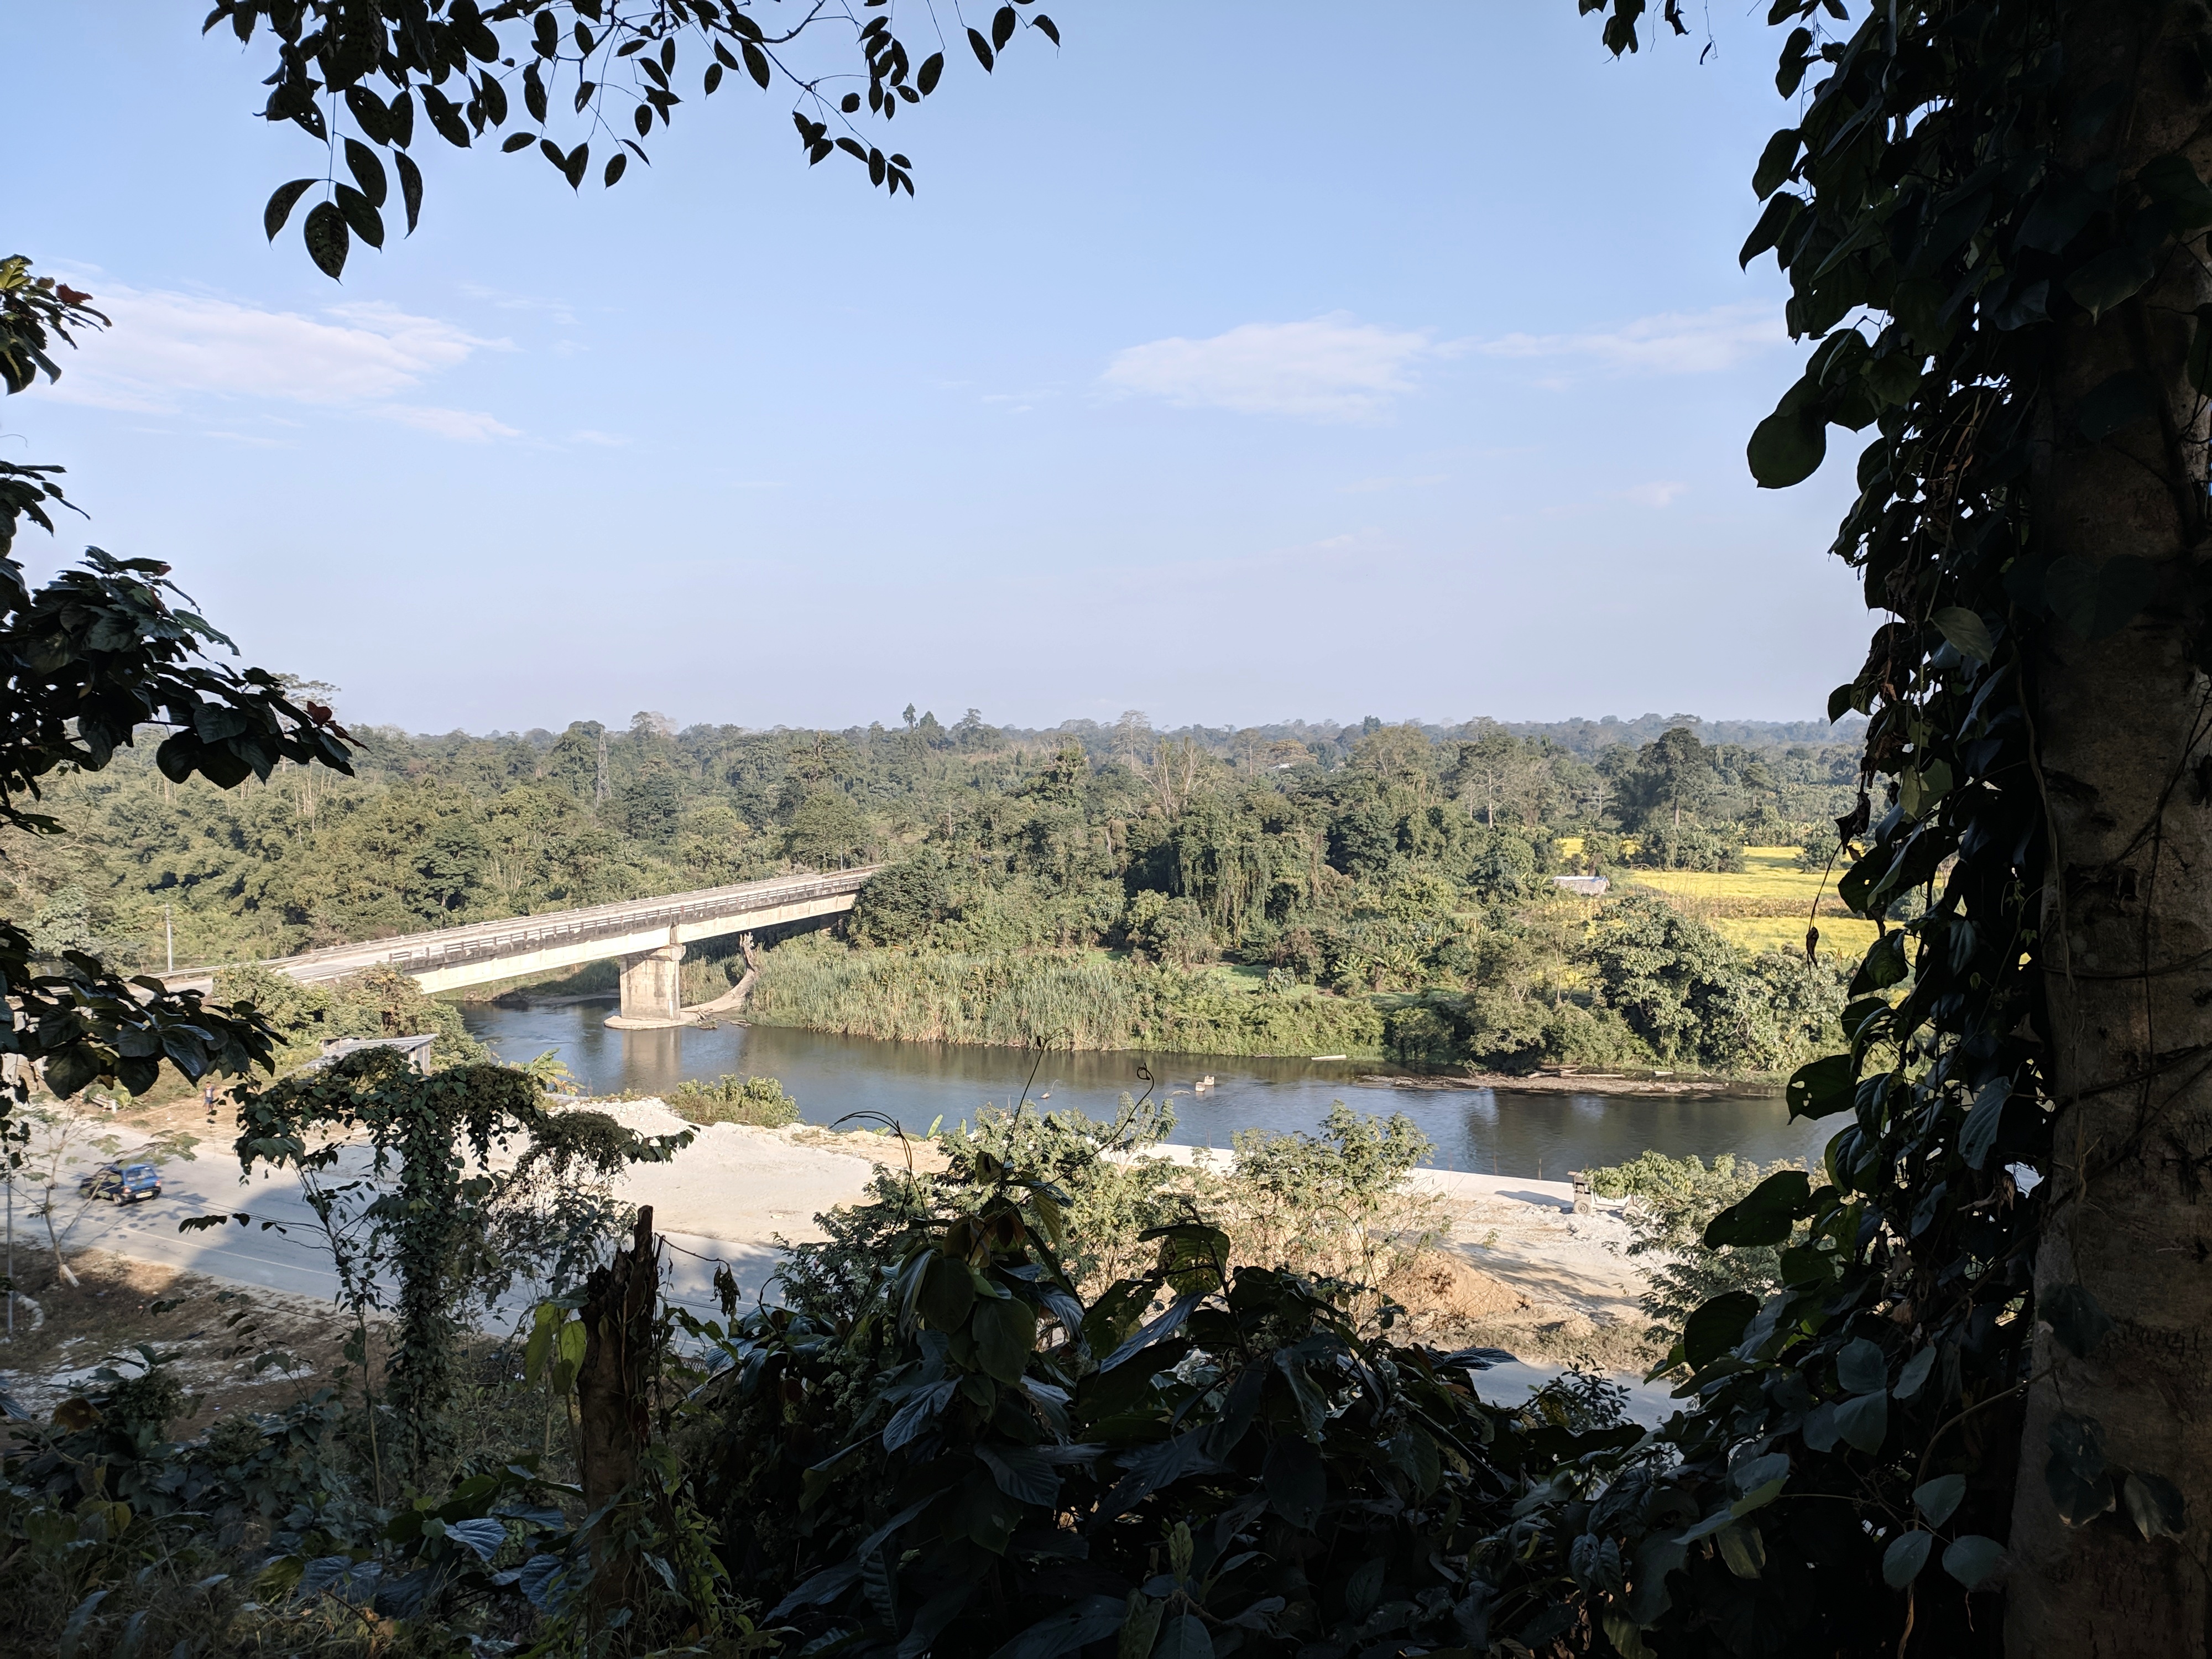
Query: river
column 1505, row 1132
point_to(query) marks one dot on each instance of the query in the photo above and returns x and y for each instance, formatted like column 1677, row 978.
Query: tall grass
column 1010, row 999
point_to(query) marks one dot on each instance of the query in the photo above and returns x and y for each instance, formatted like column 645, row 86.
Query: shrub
column 901, row 905
column 1670, row 1201
column 757, row 1101
column 1693, row 847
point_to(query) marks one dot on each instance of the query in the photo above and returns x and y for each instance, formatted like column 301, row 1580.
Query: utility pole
column 599, row 788
column 169, row 937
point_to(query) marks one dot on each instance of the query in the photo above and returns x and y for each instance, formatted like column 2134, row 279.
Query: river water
column 1505, row 1132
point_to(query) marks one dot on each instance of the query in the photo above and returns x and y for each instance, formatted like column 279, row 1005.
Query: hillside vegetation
column 1370, row 891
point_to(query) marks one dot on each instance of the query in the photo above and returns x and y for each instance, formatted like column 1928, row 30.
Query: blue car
column 124, row 1183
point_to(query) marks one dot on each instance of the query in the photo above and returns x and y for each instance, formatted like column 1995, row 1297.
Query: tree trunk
column 2127, row 929
column 620, row 1300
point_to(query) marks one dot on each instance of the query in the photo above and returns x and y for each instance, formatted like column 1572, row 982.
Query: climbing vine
column 412, row 1207
column 1957, row 208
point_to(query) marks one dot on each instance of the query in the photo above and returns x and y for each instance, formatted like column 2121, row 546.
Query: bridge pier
column 651, row 989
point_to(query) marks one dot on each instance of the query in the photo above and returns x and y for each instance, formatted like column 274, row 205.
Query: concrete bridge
column 647, row 935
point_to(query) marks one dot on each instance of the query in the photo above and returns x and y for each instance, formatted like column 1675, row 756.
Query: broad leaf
column 1763, row 1215
column 2155, row 1505
column 1717, row 1326
column 1938, row 1498
column 1974, row 1561
column 1906, row 1555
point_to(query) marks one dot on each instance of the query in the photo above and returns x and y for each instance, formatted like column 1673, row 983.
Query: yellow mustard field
column 1763, row 907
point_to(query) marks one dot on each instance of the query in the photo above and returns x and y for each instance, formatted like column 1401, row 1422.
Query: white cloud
column 554, row 311
column 1329, row 368
column 1654, row 495
column 1673, row 343
column 168, row 351
column 463, row 425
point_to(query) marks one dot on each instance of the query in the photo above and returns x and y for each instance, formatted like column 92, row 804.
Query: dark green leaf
column 1865, row 1422
column 1979, row 1133
column 69, row 1069
column 982, row 50
column 1938, row 1499
column 513, row 142
column 2155, row 1505
column 1743, row 1548
column 1775, row 162
column 1968, row 634
column 1002, row 27
column 932, row 67
column 1883, row 966
column 1820, row 1088
column 1092, row 1620
column 1023, row 1473
column 1296, row 1480
column 1780, row 213
column 948, row 1293
column 370, row 114
column 1895, row 376
column 1914, row 1377
column 2111, row 278
column 1973, row 1560
column 1184, row 1638
column 1860, row 1367
column 1906, row 1555
column 1006, row 1334
column 756, row 65
column 368, row 171
column 1717, row 1326
column 1763, row 1215
column 325, row 234
column 1807, row 1264
column 2075, row 1318
column 2022, row 306
column 363, row 220
column 1786, row 449
column 2080, row 1481
column 1044, row 26
column 410, row 189
column 616, row 164
column 281, row 204
column 2175, row 186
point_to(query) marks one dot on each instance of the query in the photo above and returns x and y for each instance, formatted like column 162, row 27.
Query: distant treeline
column 1373, row 884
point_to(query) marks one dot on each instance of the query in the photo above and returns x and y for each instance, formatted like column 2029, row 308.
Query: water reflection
column 1507, row 1131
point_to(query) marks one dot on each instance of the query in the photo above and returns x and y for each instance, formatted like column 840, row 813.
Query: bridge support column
column 652, row 987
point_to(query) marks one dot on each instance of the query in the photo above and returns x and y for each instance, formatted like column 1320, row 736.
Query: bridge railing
column 426, row 953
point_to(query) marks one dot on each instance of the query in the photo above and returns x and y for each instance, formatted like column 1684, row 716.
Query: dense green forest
column 1288, row 889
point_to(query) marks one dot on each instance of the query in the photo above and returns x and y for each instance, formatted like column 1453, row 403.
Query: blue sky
column 1233, row 362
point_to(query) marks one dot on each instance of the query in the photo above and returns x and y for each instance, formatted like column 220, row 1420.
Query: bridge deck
column 479, row 952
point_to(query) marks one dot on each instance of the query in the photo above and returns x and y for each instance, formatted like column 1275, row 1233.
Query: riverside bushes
column 1074, row 1000
column 757, row 1101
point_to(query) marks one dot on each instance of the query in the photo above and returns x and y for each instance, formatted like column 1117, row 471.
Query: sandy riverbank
column 1516, row 1269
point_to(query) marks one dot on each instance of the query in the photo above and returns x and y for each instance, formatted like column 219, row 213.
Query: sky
column 1234, row 363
